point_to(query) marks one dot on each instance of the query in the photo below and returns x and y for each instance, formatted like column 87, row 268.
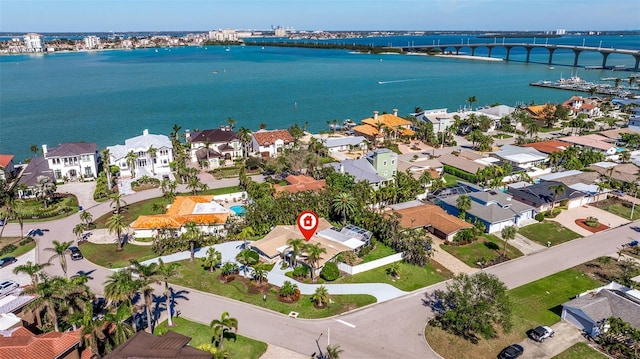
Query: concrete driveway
column 566, row 335
column 568, row 217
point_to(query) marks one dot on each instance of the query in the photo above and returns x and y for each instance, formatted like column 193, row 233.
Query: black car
column 75, row 253
column 6, row 261
column 512, row 351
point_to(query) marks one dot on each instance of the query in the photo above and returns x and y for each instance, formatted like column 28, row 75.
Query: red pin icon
column 307, row 224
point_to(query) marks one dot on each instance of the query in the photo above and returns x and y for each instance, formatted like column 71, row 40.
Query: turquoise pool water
column 238, row 210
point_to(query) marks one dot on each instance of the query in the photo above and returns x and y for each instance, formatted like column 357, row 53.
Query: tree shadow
column 434, row 302
column 491, row 245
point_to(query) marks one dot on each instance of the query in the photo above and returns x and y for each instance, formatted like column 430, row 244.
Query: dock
column 588, row 87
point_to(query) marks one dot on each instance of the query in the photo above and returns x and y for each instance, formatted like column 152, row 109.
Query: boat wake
column 396, row 81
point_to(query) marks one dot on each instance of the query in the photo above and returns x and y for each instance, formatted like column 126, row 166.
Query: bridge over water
column 577, row 50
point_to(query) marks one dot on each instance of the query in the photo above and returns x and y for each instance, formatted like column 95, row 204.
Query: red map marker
column 307, row 224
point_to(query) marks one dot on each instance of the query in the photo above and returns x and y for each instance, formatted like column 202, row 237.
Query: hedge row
column 460, row 173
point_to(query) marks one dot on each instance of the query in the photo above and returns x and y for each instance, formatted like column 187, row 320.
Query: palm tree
column 147, row 275
column 86, row 217
column 118, row 331
column 344, row 204
column 321, row 296
column 259, row 273
column 34, row 149
column 106, row 165
column 213, row 259
column 244, row 135
column 247, row 257
column 463, row 203
column 231, row 122
column 507, row 234
column 193, row 184
column 225, row 323
column 333, row 351
column 152, row 152
column 60, row 250
column 471, row 100
column 92, row 332
column 78, row 230
column 557, row 191
column 117, row 201
column 314, row 254
column 116, row 224
column 130, row 159
column 32, row 270
column 165, row 272
column 296, row 245
column 120, row 286
column 44, row 188
column 193, row 235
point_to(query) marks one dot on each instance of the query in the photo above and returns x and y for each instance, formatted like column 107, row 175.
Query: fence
column 231, row 197
column 369, row 265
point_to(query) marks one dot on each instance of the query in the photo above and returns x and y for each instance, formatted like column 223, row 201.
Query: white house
column 438, row 117
column 271, row 143
column 72, row 161
column 214, row 146
column 343, row 144
column 523, row 157
column 145, row 163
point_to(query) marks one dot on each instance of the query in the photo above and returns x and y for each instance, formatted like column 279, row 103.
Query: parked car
column 75, row 253
column 618, row 193
column 7, row 287
column 6, row 261
column 512, row 351
column 540, row 333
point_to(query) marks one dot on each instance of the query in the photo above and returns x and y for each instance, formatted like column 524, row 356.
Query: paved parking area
column 567, row 218
column 566, row 335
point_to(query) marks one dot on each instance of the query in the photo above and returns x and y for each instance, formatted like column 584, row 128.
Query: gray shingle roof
column 361, row 169
column 71, row 149
column 38, row 166
column 607, row 303
column 542, row 193
column 492, row 206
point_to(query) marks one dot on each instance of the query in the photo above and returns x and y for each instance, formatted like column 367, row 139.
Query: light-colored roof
column 199, row 209
column 562, row 174
column 501, row 207
column 343, row 141
column 460, row 163
column 591, row 141
column 519, row 154
column 615, row 133
column 361, row 169
column 498, row 111
column 139, row 143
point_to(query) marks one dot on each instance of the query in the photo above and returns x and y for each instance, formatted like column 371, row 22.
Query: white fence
column 370, row 265
column 231, row 197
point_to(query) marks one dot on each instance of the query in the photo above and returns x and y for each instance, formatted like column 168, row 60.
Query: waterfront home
column 376, row 128
column 593, row 141
column 214, row 147
column 377, row 167
column 343, row 143
column 209, row 216
column 299, row 183
column 538, row 112
column 496, row 210
column 72, row 161
column 522, row 157
column 548, row 147
column 7, row 168
column 497, row 112
column 439, row 118
column 145, row 155
column 548, row 194
column 271, row 143
column 434, row 219
column 29, row 180
column 580, row 105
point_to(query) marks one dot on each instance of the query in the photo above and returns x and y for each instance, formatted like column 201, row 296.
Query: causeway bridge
column 551, row 48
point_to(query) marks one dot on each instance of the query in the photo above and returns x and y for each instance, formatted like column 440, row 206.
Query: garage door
column 577, row 320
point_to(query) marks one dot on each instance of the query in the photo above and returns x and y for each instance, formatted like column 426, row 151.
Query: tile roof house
column 203, row 210
column 299, row 184
column 374, row 128
column 543, row 198
column 595, row 142
column 580, row 105
column 495, row 209
column 377, row 167
column 170, row 345
column 433, row 218
column 7, row 168
column 20, row 343
column 145, row 164
column 271, row 143
column 627, row 172
column 461, row 163
column 537, row 112
column 223, row 144
column 589, row 309
column 523, row 157
column 72, row 161
column 550, row 146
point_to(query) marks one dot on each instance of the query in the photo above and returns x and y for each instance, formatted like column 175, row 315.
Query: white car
column 7, row 287
column 541, row 333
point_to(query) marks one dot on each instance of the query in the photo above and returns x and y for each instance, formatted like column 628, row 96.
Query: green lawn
column 502, row 136
column 580, row 351
column 241, row 347
column 107, row 256
column 622, row 210
column 381, row 251
column 192, row 275
column 411, row 277
column 219, row 191
column 132, row 211
column 20, row 250
column 452, row 180
column 34, row 211
column 549, row 129
column 488, row 247
column 548, row 231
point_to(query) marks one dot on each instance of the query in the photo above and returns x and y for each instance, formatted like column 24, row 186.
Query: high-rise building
column 33, row 42
column 91, row 42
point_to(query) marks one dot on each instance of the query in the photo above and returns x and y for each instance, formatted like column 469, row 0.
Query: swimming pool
column 238, row 210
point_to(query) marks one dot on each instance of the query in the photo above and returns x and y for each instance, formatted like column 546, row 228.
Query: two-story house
column 377, row 167
column 376, row 128
column 151, row 155
column 7, row 169
column 271, row 143
column 578, row 105
column 72, row 161
column 214, row 146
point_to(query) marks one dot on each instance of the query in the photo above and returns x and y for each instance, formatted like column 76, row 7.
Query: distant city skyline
column 328, row 15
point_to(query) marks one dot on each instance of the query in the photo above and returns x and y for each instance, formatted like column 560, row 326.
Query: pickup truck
column 540, row 333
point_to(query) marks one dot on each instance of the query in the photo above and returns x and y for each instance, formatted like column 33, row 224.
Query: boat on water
column 215, row 72
column 550, row 67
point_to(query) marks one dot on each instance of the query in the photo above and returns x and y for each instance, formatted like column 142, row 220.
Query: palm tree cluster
column 573, row 158
column 311, row 251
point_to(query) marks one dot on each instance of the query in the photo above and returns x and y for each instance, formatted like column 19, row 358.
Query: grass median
column 107, row 255
column 485, row 249
column 548, row 231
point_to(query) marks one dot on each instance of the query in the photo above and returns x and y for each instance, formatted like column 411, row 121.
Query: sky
column 329, row 15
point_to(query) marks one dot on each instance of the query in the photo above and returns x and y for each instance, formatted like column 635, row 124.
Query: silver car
column 7, row 287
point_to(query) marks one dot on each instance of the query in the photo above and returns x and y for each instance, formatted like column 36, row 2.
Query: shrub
column 330, row 271
column 591, row 222
column 301, row 271
column 348, row 257
column 7, row 249
column 539, row 217
column 26, row 241
column 288, row 289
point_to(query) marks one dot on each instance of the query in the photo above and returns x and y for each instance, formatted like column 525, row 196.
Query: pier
column 577, row 84
column 551, row 48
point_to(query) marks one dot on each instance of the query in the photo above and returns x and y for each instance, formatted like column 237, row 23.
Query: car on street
column 512, row 351
column 6, row 261
column 618, row 193
column 75, row 253
column 540, row 333
column 7, row 287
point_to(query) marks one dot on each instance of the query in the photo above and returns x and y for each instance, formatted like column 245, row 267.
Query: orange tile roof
column 23, row 344
column 430, row 215
column 387, row 120
column 550, row 146
column 180, row 213
column 300, row 183
column 266, row 138
column 367, row 130
column 5, row 160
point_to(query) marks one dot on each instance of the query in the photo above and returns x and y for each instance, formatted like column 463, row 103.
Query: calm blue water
column 106, row 97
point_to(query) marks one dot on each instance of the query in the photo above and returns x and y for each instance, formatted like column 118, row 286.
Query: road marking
column 345, row 323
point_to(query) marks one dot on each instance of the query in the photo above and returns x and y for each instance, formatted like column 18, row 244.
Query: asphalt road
column 393, row 329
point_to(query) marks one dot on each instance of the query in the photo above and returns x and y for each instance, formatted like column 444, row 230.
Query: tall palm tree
column 34, row 149
column 152, row 152
column 194, row 236
column 117, row 224
column 147, row 275
column 471, row 100
column 463, row 203
column 314, row 254
column 165, row 272
column 557, row 191
column 44, row 188
column 507, row 234
column 193, row 184
column 106, row 166
column 60, row 250
column 225, row 323
column 78, row 229
column 32, row 270
column 92, row 332
column 86, row 217
column 344, row 204
column 44, row 302
column 121, row 287
column 130, row 159
column 117, row 201
column 296, row 245
column 244, row 135
column 118, row 331
column 213, row 259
